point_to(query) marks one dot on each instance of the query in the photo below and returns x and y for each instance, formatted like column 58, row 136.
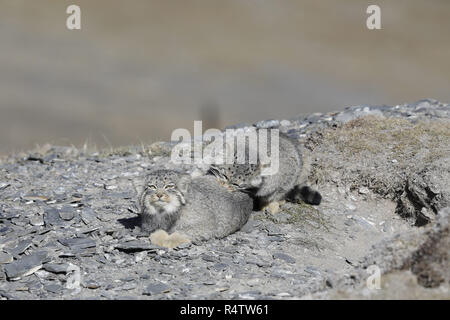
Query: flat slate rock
column 25, row 266
column 53, row 288
column 156, row 288
column 9, row 215
column 66, row 215
column 135, row 246
column 88, row 216
column 4, row 185
column 284, row 257
column 37, row 220
column 20, row 248
column 56, row 267
column 5, row 230
column 53, row 218
column 78, row 243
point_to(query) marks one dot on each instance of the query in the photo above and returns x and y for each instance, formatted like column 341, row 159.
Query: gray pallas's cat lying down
column 176, row 208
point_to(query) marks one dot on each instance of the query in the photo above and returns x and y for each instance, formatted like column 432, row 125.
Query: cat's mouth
column 161, row 203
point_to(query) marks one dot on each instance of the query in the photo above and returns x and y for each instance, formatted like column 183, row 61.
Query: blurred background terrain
column 139, row 69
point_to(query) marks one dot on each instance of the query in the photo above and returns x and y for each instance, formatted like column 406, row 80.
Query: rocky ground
column 68, row 220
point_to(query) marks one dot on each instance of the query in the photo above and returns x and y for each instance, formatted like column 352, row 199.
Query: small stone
column 9, row 215
column 140, row 256
column 67, row 216
column 4, row 185
column 349, row 222
column 52, row 218
column 34, row 197
column 78, row 243
column 42, row 274
column 5, row 258
column 313, row 118
column 285, row 123
column 345, row 117
column 156, row 288
column 250, row 226
column 363, row 190
column 312, row 270
column 20, row 248
column 56, row 267
column 128, row 279
column 275, row 238
column 37, row 220
column 22, row 289
column 220, row 266
column 267, row 124
column 259, row 262
column 53, row 288
column 250, row 295
column 282, row 217
column 136, row 246
column 92, row 285
column 88, row 216
column 21, row 221
column 129, row 286
column 253, row 282
column 6, row 295
column 25, row 266
column 210, row 258
column 5, row 230
column 428, row 214
column 67, row 213
column 273, row 230
column 284, row 257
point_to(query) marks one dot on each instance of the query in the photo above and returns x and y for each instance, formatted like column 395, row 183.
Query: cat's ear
column 183, row 183
column 217, row 172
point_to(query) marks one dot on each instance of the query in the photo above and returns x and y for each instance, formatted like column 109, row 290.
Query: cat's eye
column 169, row 186
column 151, row 186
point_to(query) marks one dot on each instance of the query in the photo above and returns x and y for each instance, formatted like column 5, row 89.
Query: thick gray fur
column 289, row 182
column 205, row 209
column 212, row 211
column 154, row 216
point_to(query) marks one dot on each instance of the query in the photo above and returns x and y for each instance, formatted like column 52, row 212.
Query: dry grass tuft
column 377, row 153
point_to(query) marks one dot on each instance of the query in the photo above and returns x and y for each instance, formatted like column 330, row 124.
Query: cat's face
column 162, row 192
column 240, row 176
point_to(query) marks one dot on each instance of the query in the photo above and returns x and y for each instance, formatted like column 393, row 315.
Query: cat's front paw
column 163, row 239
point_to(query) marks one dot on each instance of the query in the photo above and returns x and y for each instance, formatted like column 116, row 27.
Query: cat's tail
column 306, row 194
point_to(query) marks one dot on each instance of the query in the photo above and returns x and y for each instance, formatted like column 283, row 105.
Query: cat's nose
column 159, row 194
